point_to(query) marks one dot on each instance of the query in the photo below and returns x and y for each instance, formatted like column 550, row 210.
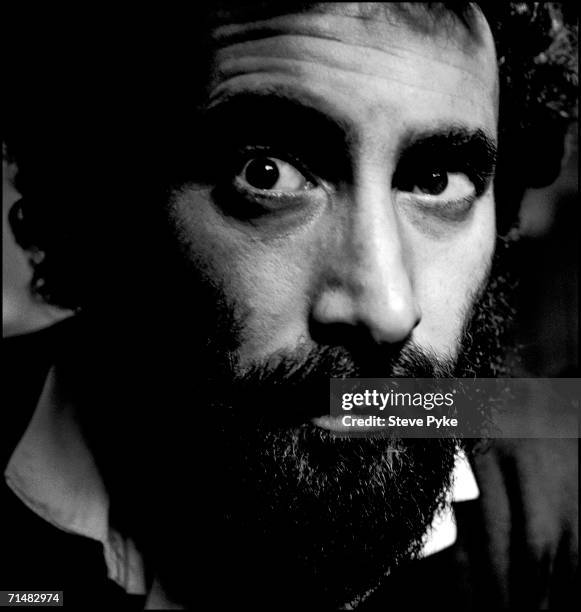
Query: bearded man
column 282, row 195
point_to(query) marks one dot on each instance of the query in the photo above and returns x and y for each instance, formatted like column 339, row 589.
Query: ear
column 24, row 227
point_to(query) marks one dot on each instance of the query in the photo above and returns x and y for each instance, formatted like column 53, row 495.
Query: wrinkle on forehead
column 464, row 26
column 288, row 40
column 300, row 44
column 283, row 55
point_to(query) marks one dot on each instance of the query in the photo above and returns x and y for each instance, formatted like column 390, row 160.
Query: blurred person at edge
column 282, row 194
column 22, row 309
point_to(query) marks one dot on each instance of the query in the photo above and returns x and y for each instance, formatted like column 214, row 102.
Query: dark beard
column 331, row 515
column 271, row 506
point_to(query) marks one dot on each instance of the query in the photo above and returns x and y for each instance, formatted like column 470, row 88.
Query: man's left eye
column 271, row 174
column 439, row 185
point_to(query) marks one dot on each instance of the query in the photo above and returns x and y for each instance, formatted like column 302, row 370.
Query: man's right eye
column 271, row 174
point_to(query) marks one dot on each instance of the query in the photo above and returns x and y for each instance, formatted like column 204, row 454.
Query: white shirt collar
column 443, row 532
column 54, row 473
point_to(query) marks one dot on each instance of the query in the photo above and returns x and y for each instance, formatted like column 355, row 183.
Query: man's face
column 351, row 201
column 341, row 222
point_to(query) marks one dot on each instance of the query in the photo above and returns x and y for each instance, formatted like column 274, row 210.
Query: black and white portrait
column 205, row 223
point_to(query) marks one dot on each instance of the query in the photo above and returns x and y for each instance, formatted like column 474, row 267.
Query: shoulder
column 528, row 512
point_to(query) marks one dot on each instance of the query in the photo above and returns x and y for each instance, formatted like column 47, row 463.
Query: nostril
column 361, row 344
column 337, row 334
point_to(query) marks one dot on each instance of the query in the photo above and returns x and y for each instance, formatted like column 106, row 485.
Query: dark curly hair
column 109, row 120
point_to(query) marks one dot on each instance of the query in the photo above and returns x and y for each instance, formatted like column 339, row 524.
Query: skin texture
column 353, row 255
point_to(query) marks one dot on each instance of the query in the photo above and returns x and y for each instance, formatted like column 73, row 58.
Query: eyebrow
column 279, row 101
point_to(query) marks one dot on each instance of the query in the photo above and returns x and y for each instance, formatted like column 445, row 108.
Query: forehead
column 365, row 60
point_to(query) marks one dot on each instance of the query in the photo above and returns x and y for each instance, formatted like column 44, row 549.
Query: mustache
column 290, row 388
column 318, row 362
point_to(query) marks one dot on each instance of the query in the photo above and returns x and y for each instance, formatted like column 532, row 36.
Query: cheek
column 448, row 276
column 271, row 288
column 266, row 282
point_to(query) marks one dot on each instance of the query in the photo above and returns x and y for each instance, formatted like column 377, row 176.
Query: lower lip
column 331, row 423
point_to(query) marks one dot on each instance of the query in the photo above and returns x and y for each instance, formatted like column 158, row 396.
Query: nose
column 367, row 289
